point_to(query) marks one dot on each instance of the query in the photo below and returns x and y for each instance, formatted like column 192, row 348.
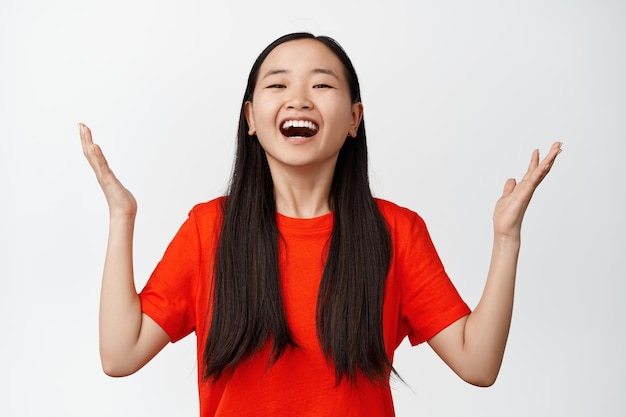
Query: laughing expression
column 301, row 109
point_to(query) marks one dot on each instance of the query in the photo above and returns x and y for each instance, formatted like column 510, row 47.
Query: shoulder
column 207, row 215
column 212, row 208
column 398, row 217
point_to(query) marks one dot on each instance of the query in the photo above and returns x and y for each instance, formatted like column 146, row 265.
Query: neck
column 302, row 192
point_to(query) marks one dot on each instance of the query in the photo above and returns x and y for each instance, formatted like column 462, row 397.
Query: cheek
column 341, row 116
column 261, row 116
column 265, row 108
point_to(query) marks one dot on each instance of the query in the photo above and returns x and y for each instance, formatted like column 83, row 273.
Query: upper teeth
column 299, row 123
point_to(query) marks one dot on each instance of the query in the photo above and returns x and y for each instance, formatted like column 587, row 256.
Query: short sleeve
column 170, row 293
column 429, row 300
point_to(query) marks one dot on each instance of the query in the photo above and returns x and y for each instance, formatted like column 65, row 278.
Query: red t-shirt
column 419, row 302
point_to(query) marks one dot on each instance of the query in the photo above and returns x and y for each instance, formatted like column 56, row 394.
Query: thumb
column 509, row 186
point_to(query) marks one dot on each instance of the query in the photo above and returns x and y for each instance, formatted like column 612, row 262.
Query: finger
column 94, row 154
column 99, row 160
column 546, row 164
column 87, row 144
column 85, row 138
column 532, row 166
column 509, row 186
column 89, row 148
column 555, row 149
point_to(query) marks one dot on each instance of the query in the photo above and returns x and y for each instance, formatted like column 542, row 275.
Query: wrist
column 122, row 218
column 507, row 239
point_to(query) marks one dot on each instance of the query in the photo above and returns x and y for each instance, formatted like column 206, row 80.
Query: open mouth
column 298, row 128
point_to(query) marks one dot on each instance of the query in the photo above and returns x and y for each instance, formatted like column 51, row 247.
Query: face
column 301, row 109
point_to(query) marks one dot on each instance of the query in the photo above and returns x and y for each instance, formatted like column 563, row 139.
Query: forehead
column 301, row 54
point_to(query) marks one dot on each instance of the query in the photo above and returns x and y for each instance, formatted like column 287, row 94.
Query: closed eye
column 322, row 86
column 276, row 86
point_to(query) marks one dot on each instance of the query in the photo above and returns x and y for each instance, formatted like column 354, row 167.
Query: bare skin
column 128, row 338
column 473, row 346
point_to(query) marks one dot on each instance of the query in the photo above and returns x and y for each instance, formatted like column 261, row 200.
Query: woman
column 298, row 283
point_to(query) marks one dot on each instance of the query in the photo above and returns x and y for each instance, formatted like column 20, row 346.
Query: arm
column 128, row 338
column 474, row 345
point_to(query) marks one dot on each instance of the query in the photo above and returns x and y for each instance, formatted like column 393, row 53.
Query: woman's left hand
column 510, row 208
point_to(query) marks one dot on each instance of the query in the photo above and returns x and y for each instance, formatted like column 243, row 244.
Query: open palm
column 121, row 201
column 511, row 206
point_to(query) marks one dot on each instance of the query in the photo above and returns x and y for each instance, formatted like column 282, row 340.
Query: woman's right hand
column 121, row 202
column 128, row 338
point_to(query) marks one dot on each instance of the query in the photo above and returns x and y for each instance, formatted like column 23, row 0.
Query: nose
column 299, row 100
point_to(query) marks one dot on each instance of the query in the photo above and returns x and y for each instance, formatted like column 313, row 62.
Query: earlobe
column 247, row 109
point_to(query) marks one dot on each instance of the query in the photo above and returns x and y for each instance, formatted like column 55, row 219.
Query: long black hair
column 246, row 305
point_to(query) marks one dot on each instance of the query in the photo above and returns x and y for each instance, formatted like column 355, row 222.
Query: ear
column 249, row 112
column 357, row 116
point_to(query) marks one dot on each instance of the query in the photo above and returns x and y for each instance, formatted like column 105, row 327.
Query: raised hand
column 473, row 346
column 510, row 208
column 121, row 202
column 128, row 338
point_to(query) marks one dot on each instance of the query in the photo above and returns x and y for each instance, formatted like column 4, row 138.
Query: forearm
column 487, row 327
column 473, row 346
column 120, row 309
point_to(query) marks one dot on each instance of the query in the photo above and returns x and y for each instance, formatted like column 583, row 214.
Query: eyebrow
column 315, row 71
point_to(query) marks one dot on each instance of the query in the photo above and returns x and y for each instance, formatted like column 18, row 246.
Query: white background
column 457, row 94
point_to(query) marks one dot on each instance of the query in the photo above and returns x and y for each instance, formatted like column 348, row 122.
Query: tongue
column 298, row 131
